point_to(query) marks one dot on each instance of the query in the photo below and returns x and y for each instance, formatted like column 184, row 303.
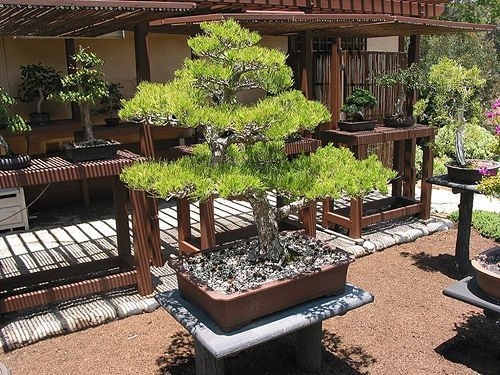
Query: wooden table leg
column 409, row 175
column 462, row 262
column 120, row 202
column 140, row 222
column 207, row 224
column 206, row 363
column 308, row 353
column 398, row 165
column 425, row 187
column 356, row 215
column 308, row 217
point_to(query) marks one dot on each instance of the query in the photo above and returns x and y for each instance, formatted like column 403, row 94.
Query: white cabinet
column 13, row 212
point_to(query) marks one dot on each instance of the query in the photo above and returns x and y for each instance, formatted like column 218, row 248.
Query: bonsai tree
column 243, row 157
column 13, row 123
column 111, row 103
column 357, row 102
column 451, row 99
column 404, row 79
column 38, row 82
column 85, row 86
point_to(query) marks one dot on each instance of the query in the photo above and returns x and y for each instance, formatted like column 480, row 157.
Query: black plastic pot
column 77, row 152
column 14, row 161
column 39, row 118
column 470, row 174
column 398, row 122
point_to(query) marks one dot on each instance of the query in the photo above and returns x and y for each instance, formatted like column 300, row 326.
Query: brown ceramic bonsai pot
column 470, row 174
column 231, row 311
column 488, row 272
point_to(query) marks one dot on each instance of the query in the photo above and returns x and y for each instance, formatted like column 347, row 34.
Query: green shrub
column 485, row 222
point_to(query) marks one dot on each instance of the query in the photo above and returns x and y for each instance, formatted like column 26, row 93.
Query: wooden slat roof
column 337, row 25
column 80, row 18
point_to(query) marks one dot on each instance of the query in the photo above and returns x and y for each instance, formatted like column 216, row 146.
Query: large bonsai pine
column 243, row 157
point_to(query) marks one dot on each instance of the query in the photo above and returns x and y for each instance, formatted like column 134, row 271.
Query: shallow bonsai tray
column 398, row 123
column 232, row 311
column 356, row 126
column 468, row 291
column 79, row 154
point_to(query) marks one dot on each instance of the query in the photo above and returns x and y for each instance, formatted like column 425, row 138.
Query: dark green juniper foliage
column 243, row 158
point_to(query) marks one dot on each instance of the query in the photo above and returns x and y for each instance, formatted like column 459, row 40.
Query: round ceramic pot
column 470, row 174
column 488, row 275
column 14, row 161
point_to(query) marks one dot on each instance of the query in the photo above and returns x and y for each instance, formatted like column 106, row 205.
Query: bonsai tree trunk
column 5, row 145
column 460, row 138
column 39, row 101
column 87, row 125
column 265, row 216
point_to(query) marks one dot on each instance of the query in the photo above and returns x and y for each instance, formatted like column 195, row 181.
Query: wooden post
column 399, row 166
column 462, row 262
column 142, row 67
column 308, row 216
column 336, row 82
column 306, row 63
column 413, row 57
column 308, row 354
column 355, row 215
column 409, row 177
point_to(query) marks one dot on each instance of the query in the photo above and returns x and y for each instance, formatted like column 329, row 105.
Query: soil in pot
column 14, row 161
column 234, row 290
column 91, row 150
column 487, row 266
column 471, row 173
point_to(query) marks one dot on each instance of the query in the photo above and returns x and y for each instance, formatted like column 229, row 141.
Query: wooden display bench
column 50, row 137
column 209, row 238
column 402, row 201
column 118, row 271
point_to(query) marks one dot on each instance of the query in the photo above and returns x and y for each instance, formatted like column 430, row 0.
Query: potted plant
column 15, row 124
column 487, row 267
column 85, row 86
column 354, row 107
column 404, row 79
column 243, row 159
column 452, row 88
column 38, row 82
column 111, row 104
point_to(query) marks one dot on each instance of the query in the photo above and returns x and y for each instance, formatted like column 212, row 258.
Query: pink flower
column 497, row 130
column 484, row 171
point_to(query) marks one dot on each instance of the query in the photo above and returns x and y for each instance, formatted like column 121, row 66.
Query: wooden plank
column 40, row 277
column 183, row 220
column 120, row 203
column 142, row 65
column 59, row 293
column 207, row 224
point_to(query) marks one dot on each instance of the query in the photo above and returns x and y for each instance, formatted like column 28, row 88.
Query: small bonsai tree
column 13, row 123
column 357, row 102
column 243, row 157
column 85, row 86
column 112, row 102
column 38, row 82
column 404, row 79
column 451, row 99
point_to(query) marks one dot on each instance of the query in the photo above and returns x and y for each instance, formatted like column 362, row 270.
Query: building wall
column 385, row 44
column 167, row 52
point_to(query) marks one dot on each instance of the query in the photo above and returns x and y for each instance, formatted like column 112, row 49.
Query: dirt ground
column 411, row 328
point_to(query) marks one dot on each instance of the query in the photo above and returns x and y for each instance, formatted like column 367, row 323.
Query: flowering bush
column 491, row 184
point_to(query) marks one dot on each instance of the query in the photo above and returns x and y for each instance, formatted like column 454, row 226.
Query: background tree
column 85, row 86
column 469, row 49
column 243, row 157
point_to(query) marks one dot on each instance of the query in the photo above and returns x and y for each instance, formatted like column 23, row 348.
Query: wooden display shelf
column 402, row 202
column 120, row 271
